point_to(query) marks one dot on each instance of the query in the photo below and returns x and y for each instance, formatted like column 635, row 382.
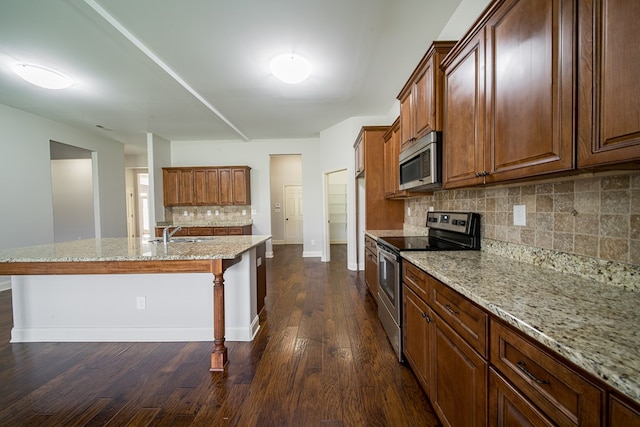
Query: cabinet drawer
column 200, row 231
column 565, row 396
column 220, row 231
column 416, row 279
column 235, row 231
column 469, row 320
column 370, row 244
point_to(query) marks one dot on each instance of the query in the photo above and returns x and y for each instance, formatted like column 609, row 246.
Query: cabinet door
column 424, row 97
column 170, row 187
column 371, row 272
column 609, row 93
column 406, row 120
column 225, row 178
column 464, row 112
column 530, row 81
column 205, row 186
column 621, row 414
column 359, row 155
column 177, row 185
column 241, row 186
column 416, row 336
column 391, row 174
column 509, row 408
column 459, row 382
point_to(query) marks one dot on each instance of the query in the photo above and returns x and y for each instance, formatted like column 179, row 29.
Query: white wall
column 25, row 178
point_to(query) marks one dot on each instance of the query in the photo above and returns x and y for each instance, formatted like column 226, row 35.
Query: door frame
column 326, row 232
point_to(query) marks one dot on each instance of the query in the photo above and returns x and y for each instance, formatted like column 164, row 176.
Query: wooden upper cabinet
column 391, row 151
column 359, row 155
column 530, row 80
column 421, row 97
column 521, row 123
column 207, row 186
column 464, row 110
column 177, row 187
column 241, row 186
column 235, row 185
column 608, row 88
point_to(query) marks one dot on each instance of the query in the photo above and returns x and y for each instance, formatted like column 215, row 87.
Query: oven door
column 389, row 298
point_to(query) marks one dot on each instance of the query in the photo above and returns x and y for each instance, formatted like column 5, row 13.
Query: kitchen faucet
column 166, row 235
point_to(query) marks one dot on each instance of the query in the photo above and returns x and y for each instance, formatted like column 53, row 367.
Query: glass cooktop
column 417, row 243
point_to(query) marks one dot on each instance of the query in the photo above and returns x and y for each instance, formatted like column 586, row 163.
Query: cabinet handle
column 426, row 317
column 523, row 367
column 451, row 310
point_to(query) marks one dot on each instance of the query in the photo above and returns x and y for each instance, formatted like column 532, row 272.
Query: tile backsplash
column 596, row 215
column 206, row 214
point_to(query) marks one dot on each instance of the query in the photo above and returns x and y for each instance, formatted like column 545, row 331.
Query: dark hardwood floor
column 320, row 358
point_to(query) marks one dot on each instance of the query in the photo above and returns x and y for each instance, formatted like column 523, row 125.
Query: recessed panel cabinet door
column 463, row 135
column 609, row 86
column 530, row 80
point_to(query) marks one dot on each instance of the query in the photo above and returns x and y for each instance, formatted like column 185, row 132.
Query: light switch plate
column 519, row 215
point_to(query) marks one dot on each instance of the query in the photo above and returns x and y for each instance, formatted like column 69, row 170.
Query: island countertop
column 138, row 249
column 593, row 325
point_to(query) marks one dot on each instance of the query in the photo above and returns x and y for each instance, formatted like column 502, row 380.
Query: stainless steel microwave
column 421, row 164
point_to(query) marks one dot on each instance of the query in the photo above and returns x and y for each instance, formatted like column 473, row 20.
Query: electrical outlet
column 313, row 243
column 409, row 211
column 244, row 211
column 141, row 303
column 208, row 213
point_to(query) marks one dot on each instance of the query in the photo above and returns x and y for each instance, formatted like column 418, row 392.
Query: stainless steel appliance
column 447, row 231
column 420, row 165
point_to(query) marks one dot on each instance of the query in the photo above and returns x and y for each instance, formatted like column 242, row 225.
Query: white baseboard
column 130, row 334
column 311, row 254
column 268, row 254
column 5, row 285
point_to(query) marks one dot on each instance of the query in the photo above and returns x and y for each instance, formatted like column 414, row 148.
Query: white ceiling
column 198, row 69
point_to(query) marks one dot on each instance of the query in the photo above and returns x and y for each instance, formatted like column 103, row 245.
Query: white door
column 292, row 214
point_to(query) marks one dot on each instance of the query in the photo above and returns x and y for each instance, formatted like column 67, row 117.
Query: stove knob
column 454, row 222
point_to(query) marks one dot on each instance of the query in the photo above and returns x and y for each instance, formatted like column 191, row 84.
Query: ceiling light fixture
column 290, row 68
column 42, row 76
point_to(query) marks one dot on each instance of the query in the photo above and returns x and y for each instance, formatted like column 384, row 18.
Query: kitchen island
column 70, row 289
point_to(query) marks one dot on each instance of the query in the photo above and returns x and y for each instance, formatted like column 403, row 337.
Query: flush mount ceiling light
column 42, row 76
column 290, row 68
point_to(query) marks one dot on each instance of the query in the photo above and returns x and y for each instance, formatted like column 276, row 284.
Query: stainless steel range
column 448, row 231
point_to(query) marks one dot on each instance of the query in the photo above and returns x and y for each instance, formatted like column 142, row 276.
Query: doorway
column 335, row 211
column 285, row 170
column 72, row 190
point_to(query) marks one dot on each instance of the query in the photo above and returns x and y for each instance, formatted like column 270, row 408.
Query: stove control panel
column 460, row 222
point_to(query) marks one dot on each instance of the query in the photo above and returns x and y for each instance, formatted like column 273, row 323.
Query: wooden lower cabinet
column 459, row 385
column 477, row 370
column 371, row 266
column 417, row 330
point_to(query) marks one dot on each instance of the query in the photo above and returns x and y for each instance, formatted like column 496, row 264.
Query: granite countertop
column 123, row 249
column 594, row 325
column 375, row 234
